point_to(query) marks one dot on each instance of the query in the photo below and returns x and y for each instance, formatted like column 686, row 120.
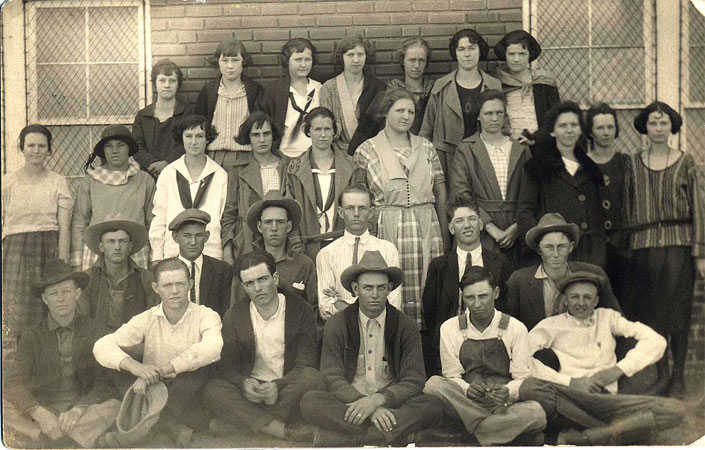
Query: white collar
column 160, row 311
column 198, row 261
column 495, row 319
column 350, row 238
column 476, row 253
column 277, row 313
column 210, row 167
column 380, row 319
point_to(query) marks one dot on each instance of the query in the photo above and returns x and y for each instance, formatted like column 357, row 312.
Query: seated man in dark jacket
column 58, row 390
column 441, row 296
column 269, row 355
column 373, row 362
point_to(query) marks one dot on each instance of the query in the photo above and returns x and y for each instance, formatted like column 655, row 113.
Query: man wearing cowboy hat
column 374, row 365
column 583, row 392
column 212, row 278
column 118, row 289
column 58, row 390
column 485, row 361
column 274, row 218
column 269, row 356
column 532, row 292
column 114, row 185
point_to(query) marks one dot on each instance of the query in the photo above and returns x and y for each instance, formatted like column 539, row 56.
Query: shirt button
column 584, row 225
column 606, row 204
column 608, row 225
column 369, row 368
column 581, row 197
column 370, row 335
column 369, row 351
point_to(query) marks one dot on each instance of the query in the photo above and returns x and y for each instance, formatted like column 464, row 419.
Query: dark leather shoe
column 329, row 438
column 300, row 432
column 572, row 437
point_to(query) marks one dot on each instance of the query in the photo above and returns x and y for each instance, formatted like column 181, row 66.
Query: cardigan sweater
column 341, row 346
column 208, row 97
column 160, row 146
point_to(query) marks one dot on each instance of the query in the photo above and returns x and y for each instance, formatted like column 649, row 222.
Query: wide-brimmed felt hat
column 274, row 198
column 500, row 48
column 137, row 232
column 189, row 215
column 57, row 271
column 577, row 277
column 119, row 132
column 138, row 413
column 371, row 261
column 548, row 223
column 643, row 116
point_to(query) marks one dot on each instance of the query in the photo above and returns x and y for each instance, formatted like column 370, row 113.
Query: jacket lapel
column 390, row 331
column 514, row 155
column 343, row 173
column 243, row 325
column 206, row 281
column 250, row 174
column 352, row 346
column 450, row 278
column 534, row 291
column 291, row 318
column 479, row 151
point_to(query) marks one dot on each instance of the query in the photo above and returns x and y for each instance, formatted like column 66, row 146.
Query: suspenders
column 503, row 323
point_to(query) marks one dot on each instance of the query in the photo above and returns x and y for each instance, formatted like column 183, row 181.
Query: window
column 693, row 74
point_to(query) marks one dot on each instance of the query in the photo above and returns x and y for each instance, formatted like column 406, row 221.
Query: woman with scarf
column 563, row 179
column 114, row 187
column 293, row 96
column 404, row 175
column 530, row 92
column 192, row 181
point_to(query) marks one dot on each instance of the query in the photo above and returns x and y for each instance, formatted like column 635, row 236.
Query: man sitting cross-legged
column 485, row 360
column 269, row 355
column 374, row 366
column 58, row 390
column 180, row 340
column 583, row 393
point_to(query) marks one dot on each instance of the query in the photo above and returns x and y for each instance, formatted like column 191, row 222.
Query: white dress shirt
column 571, row 166
column 552, row 299
column 269, row 343
column 333, row 259
column 514, row 339
column 587, row 347
column 197, row 281
column 167, row 205
column 193, row 342
column 293, row 148
column 477, row 260
column 372, row 372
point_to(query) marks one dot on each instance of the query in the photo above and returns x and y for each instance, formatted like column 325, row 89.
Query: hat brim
column 500, row 48
column 533, row 235
column 291, row 205
column 99, row 149
column 137, row 232
column 80, row 278
column 395, row 274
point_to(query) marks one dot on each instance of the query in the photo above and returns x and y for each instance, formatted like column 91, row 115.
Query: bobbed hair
column 296, row 45
column 231, row 47
column 484, row 97
column 166, row 67
column 257, row 119
column 474, row 37
column 350, row 43
column 35, row 128
column 190, row 122
column 319, row 111
column 600, row 108
column 641, row 119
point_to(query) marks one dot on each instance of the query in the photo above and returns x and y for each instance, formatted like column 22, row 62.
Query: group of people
column 352, row 262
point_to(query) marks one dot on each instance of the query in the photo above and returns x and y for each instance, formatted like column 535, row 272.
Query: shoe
column 572, row 437
column 181, row 434
column 528, row 440
column 329, row 438
column 222, row 428
column 676, row 388
column 107, row 440
column 299, row 433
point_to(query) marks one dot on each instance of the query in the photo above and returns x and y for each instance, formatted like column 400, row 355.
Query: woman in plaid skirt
column 36, row 211
column 404, row 174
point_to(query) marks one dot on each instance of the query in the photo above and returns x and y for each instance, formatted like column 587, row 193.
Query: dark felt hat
column 189, row 215
column 57, row 271
column 274, row 198
column 643, row 116
column 579, row 276
column 137, row 232
column 371, row 261
column 119, row 132
column 500, row 49
column 548, row 223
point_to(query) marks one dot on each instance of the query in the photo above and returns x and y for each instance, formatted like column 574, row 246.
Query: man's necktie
column 461, row 304
column 355, row 249
column 193, row 279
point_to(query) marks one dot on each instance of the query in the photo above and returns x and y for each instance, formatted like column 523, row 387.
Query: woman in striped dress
column 36, row 215
column 666, row 214
column 404, row 174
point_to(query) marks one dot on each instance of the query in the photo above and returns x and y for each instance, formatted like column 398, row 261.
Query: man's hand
column 250, row 387
column 296, row 244
column 383, row 419
column 68, row 419
column 147, row 372
column 586, row 384
column 166, row 370
column 499, row 394
column 48, row 422
column 332, row 293
column 361, row 409
column 477, row 390
column 139, row 387
column 606, row 377
column 269, row 392
column 156, row 167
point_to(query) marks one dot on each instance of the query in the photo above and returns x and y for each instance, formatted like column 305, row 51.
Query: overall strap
column 503, row 324
column 463, row 321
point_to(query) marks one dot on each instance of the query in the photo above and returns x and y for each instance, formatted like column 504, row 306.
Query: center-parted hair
column 600, row 108
column 296, row 45
column 255, row 258
column 166, row 67
column 349, row 43
column 257, row 120
column 169, row 264
column 477, row 274
column 319, row 111
column 36, row 128
column 412, row 42
column 474, row 37
column 191, row 122
column 484, row 97
column 458, row 201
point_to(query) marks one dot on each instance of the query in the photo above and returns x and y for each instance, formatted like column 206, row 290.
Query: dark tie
column 193, row 279
column 468, row 262
column 355, row 249
column 461, row 304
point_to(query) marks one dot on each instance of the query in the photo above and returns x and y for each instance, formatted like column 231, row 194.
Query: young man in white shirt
column 355, row 208
column 485, row 360
column 583, row 392
column 180, row 339
column 269, row 357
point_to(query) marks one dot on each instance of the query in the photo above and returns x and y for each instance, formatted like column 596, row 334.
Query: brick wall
column 188, row 33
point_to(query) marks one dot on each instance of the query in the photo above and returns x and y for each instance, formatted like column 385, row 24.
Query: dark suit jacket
column 208, row 96
column 237, row 358
column 440, row 295
column 524, row 299
column 38, row 368
column 216, row 282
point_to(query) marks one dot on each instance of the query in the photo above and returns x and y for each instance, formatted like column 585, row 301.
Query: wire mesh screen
column 85, row 70
column 694, row 95
column 600, row 51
